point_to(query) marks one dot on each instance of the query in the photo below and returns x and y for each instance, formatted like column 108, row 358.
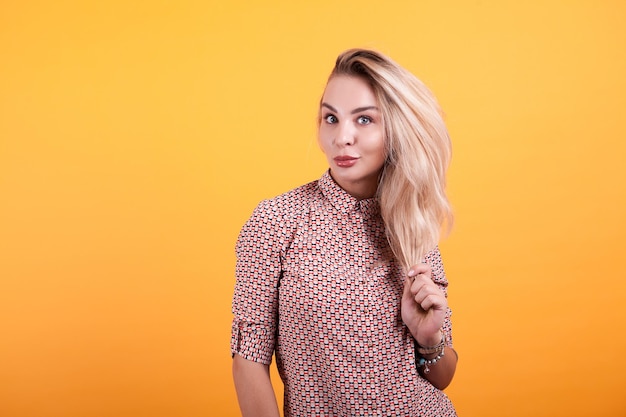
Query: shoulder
column 280, row 215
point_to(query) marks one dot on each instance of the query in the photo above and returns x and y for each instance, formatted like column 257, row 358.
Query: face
column 351, row 135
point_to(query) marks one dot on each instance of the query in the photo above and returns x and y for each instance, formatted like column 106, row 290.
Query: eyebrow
column 357, row 110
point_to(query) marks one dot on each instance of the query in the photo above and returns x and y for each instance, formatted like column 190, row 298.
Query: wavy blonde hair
column 411, row 188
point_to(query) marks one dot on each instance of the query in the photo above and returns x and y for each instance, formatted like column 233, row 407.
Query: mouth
column 345, row 161
column 345, row 158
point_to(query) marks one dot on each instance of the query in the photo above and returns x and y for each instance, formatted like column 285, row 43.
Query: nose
column 346, row 134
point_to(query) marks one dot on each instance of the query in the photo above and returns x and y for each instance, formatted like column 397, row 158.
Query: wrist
column 432, row 343
column 429, row 355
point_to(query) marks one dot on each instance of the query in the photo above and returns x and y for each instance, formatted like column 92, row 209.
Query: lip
column 345, row 161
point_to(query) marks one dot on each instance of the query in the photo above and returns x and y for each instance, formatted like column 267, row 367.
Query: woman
column 342, row 278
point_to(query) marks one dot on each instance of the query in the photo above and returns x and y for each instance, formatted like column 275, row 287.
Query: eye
column 330, row 119
column 364, row 120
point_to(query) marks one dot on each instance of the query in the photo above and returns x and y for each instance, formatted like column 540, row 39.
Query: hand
column 423, row 306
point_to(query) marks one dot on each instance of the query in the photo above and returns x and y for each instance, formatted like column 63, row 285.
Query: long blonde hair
column 411, row 188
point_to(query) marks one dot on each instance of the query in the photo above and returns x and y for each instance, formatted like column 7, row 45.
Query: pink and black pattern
column 318, row 286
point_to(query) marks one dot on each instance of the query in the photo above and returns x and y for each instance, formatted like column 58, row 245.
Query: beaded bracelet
column 430, row 362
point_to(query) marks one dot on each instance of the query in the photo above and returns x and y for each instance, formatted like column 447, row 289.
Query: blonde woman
column 342, row 278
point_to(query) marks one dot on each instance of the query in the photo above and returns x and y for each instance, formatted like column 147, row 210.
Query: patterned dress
column 317, row 285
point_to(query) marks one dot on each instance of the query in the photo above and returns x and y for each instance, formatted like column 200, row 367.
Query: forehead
column 349, row 92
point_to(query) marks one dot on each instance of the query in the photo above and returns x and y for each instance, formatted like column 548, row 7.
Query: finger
column 407, row 293
column 421, row 281
column 429, row 295
column 422, row 268
column 431, row 301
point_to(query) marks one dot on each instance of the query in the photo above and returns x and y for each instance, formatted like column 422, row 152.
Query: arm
column 425, row 313
column 255, row 310
column 254, row 388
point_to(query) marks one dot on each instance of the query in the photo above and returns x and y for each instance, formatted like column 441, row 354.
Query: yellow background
column 137, row 136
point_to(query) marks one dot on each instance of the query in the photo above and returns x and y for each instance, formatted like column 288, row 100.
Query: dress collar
column 343, row 201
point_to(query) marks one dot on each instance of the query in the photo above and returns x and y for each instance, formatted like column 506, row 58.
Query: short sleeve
column 433, row 258
column 258, row 272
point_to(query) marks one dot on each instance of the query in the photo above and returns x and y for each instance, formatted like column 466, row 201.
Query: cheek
column 321, row 146
column 376, row 143
column 323, row 140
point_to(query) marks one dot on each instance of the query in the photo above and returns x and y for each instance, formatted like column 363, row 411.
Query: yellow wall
column 136, row 137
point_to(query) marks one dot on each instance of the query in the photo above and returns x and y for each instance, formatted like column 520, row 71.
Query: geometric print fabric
column 318, row 286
